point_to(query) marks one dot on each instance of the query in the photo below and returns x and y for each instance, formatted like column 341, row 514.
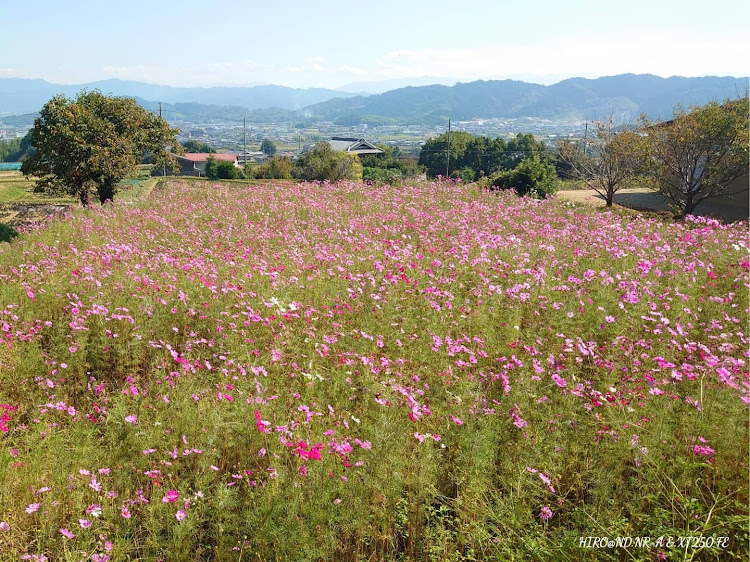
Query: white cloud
column 602, row 55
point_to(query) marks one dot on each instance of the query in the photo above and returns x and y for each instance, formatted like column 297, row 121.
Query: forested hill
column 624, row 96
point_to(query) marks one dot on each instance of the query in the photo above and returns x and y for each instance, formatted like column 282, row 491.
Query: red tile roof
column 202, row 157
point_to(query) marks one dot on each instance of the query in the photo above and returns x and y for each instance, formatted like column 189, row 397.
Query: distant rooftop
column 353, row 145
column 202, row 156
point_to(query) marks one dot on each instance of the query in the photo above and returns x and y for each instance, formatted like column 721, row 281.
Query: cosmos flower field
column 316, row 371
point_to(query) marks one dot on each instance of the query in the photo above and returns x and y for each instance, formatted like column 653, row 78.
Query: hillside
column 625, row 96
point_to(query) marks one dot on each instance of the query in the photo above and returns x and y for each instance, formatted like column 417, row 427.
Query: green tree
column 521, row 147
column 93, row 142
column 484, row 155
column 532, row 176
column 700, row 153
column 16, row 150
column 9, row 149
column 323, row 163
column 276, row 168
column 267, row 147
column 607, row 163
column 434, row 153
column 193, row 145
column 221, row 169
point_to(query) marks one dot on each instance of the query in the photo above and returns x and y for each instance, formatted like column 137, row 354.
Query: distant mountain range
column 624, row 97
column 18, row 95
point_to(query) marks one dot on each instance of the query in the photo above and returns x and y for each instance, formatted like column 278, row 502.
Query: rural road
column 641, row 198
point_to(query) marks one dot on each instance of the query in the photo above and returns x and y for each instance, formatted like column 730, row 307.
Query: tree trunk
column 83, row 194
column 609, row 198
column 106, row 192
column 689, row 206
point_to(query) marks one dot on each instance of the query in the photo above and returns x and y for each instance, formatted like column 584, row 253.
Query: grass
column 430, row 372
column 15, row 188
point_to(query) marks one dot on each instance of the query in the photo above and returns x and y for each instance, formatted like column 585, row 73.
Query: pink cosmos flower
column 131, row 419
column 545, row 514
column 4, row 527
column 171, row 496
column 125, row 512
column 84, row 523
column 703, row 450
column 67, row 534
column 260, row 424
column 180, row 515
column 32, row 508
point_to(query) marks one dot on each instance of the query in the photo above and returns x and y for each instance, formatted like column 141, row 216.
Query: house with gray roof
column 353, row 145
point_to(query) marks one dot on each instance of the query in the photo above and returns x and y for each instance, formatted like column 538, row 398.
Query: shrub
column 221, row 170
column 381, row 175
column 323, row 163
column 277, row 168
column 466, row 175
column 7, row 233
column 533, row 176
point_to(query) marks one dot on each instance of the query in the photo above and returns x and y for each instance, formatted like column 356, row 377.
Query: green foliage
column 699, row 153
column 532, row 176
column 278, row 167
column 381, row 175
column 483, row 155
column 433, row 155
column 93, row 142
column 193, row 145
column 522, row 147
column 16, row 150
column 10, row 151
column 323, row 163
column 466, row 175
column 388, row 167
column 267, row 147
column 7, row 233
column 221, row 169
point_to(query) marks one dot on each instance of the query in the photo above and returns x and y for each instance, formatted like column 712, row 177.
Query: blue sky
column 331, row 43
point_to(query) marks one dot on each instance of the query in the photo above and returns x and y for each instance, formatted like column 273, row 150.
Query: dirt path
column 642, row 199
column 26, row 214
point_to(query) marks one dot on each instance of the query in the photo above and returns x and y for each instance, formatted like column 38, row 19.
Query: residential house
column 194, row 163
column 353, row 146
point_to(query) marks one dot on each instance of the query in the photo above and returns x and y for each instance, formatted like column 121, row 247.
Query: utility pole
column 585, row 137
column 299, row 142
column 164, row 164
column 244, row 145
column 448, row 152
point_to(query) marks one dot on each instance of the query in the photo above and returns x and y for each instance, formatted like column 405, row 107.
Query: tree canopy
column 197, row 146
column 483, row 155
column 267, row 147
column 15, row 150
column 93, row 142
column 700, row 153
